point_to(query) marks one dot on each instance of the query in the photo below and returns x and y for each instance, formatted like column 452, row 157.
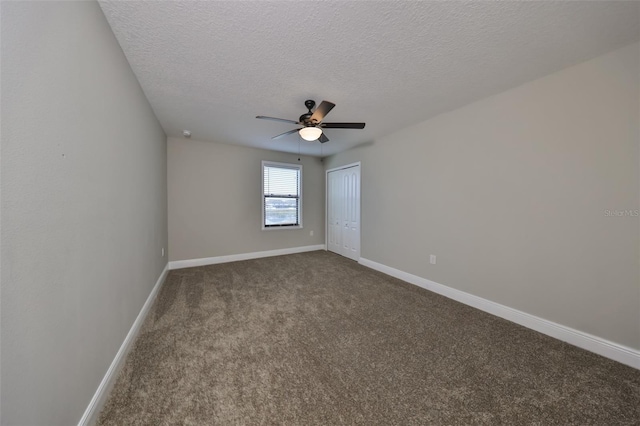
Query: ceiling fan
column 312, row 124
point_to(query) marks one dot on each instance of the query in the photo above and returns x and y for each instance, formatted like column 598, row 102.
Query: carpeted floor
column 314, row 338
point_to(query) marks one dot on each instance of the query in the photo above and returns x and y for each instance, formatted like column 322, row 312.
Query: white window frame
column 262, row 198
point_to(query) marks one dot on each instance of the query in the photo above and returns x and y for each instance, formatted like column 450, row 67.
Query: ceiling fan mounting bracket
column 305, row 118
column 309, row 103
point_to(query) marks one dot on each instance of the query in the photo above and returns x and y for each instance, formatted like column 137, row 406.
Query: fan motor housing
column 304, row 118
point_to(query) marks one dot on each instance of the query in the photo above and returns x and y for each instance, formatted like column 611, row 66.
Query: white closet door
column 334, row 238
column 343, row 212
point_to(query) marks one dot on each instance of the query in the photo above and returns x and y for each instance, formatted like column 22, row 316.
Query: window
column 281, row 195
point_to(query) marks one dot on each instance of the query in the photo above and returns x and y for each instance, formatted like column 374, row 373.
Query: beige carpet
column 314, row 338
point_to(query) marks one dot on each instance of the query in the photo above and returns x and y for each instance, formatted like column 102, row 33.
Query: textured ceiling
column 211, row 67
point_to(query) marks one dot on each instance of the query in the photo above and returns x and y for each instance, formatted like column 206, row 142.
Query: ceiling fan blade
column 322, row 110
column 262, row 117
column 323, row 138
column 285, row 133
column 343, row 125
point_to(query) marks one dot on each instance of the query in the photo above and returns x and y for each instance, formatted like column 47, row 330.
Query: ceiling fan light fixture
column 310, row 133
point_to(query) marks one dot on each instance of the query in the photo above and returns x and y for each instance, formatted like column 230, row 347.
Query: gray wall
column 510, row 193
column 215, row 200
column 83, row 207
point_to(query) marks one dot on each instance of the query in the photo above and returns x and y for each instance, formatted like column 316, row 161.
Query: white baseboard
column 614, row 351
column 90, row 415
column 189, row 263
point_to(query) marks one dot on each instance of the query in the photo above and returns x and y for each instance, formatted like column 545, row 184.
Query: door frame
column 326, row 204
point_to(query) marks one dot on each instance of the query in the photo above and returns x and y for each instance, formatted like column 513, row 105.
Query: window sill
column 281, row 228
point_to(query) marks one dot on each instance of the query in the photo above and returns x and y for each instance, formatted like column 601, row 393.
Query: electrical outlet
column 432, row 259
column 162, row 251
column 311, row 233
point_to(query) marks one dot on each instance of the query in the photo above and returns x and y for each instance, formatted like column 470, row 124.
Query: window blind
column 281, row 190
